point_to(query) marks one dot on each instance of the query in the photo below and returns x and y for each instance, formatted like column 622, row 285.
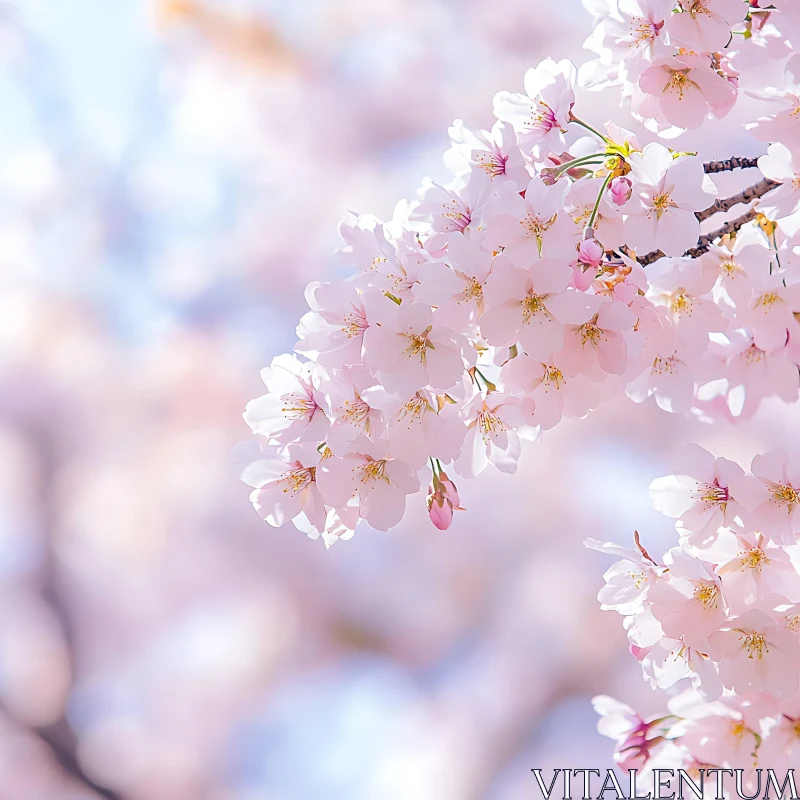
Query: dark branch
column 705, row 241
column 745, row 196
column 729, row 164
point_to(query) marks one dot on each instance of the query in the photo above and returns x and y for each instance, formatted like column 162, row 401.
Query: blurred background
column 171, row 176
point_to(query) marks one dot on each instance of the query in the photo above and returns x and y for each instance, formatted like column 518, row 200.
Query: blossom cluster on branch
column 562, row 264
column 717, row 618
column 565, row 263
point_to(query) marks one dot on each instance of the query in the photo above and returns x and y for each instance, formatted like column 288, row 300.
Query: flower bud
column 590, row 252
column 621, row 189
column 443, row 499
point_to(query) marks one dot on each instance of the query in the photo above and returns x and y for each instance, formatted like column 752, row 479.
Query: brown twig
column 705, row 241
column 730, row 164
column 745, row 196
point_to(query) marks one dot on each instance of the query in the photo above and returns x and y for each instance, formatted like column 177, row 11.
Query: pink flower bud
column 621, row 189
column 590, row 252
column 443, row 499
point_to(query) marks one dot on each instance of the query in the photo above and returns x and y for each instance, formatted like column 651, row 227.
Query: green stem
column 580, row 160
column 573, row 118
column 599, row 198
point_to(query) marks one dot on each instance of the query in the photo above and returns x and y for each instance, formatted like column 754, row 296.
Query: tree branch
column 703, row 243
column 745, row 196
column 730, row 164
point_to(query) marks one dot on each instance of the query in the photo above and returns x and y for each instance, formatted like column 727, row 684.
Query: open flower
column 409, row 351
column 704, row 493
column 688, row 89
column 667, row 192
column 703, row 26
column 293, row 408
column 372, row 481
column 531, row 306
column 491, row 436
column 757, row 654
column 285, row 486
column 494, row 152
column 542, row 113
column 533, row 227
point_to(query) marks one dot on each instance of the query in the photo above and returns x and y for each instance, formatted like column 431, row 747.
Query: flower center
column 543, row 118
column 756, row 646
column 590, row 332
column 729, row 267
column 639, row 579
column 458, row 215
column 418, row 344
column 755, row 558
column 533, row 305
column 712, row 493
column 489, row 423
column 553, row 376
column 753, row 355
column 661, row 202
column 298, row 406
column 374, row 471
column 473, row 291
column 707, row 594
column 355, row 411
column 493, row 164
column 681, row 304
column 297, row 479
column 414, row 409
column 768, row 299
column 643, row 31
column 355, row 323
column 786, row 495
column 678, row 82
column 662, row 365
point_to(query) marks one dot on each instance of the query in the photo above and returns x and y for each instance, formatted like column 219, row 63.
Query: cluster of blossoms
column 560, row 266
column 718, row 618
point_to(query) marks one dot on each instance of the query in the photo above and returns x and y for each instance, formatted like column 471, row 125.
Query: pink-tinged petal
column 550, row 276
column 573, row 307
column 654, row 80
column 403, row 476
column 542, row 335
column 614, row 316
column 677, row 231
column 505, row 281
column 685, row 106
column 473, row 459
column 444, row 366
column 612, row 353
column 275, row 505
column 338, row 480
column 500, row 325
column 384, row 506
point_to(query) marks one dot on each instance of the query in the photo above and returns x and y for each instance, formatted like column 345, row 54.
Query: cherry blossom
column 704, row 494
column 293, row 408
column 374, row 481
column 688, row 88
column 285, row 486
column 704, row 25
column 542, row 113
column 667, row 193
